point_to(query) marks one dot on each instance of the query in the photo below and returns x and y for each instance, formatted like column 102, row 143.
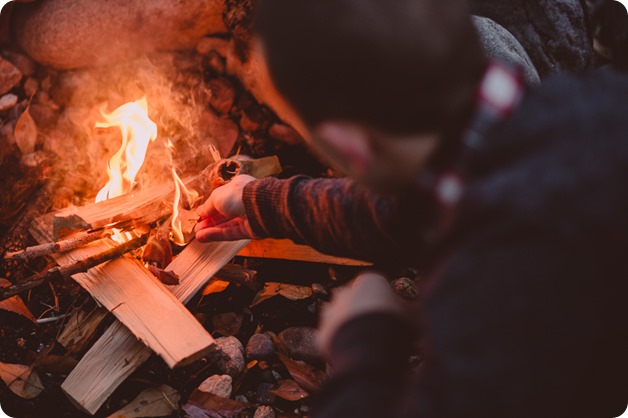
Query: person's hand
column 368, row 293
column 222, row 215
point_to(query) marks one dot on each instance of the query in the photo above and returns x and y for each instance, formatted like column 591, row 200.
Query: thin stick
column 57, row 247
column 82, row 266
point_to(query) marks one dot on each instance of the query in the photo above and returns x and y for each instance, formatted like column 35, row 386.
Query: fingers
column 233, row 230
column 213, row 220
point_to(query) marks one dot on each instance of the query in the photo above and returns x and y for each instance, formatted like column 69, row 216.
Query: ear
column 347, row 140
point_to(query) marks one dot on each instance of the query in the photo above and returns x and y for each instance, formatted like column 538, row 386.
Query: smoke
column 176, row 94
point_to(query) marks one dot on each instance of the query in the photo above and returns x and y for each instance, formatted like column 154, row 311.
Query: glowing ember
column 137, row 132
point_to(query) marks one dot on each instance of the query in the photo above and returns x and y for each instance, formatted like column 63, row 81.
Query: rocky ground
column 51, row 156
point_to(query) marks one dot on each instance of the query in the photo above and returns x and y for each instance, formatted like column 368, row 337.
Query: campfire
column 103, row 162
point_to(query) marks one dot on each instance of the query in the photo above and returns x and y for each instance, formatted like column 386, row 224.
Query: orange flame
column 138, row 130
column 179, row 191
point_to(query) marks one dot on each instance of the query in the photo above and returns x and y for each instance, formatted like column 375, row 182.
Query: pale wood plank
column 117, row 353
column 288, row 250
column 141, row 302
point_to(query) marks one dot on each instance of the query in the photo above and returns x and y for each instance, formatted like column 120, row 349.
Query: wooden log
column 117, row 353
column 71, row 243
column 288, row 250
column 139, row 301
column 155, row 203
column 72, row 269
column 145, row 206
column 80, row 329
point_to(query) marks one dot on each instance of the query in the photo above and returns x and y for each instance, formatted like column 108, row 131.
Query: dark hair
column 403, row 66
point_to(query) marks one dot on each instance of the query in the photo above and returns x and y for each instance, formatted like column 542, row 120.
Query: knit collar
column 499, row 92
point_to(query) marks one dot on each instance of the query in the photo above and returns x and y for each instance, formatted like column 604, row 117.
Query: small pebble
column 264, row 411
column 405, row 287
column 260, row 346
column 301, row 344
column 263, row 394
column 220, row 385
column 7, row 102
column 233, row 350
column 30, row 86
column 276, row 376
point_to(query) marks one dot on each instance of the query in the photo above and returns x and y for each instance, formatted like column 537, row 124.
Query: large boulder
column 68, row 34
column 501, row 44
column 553, row 32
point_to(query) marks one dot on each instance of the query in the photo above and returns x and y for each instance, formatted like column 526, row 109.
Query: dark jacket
column 525, row 314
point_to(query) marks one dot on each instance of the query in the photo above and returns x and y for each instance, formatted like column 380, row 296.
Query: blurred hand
column 368, row 293
column 222, row 215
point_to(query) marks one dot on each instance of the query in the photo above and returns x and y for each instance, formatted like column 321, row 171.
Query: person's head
column 375, row 81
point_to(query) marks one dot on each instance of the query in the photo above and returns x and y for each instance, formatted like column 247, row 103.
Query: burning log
column 152, row 204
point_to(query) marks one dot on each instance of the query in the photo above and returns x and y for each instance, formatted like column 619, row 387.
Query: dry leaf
column 228, row 324
column 21, row 380
column 308, row 377
column 204, row 405
column 288, row 291
column 169, row 278
column 290, row 391
column 14, row 304
column 215, row 286
column 25, row 133
column 158, row 250
column 154, row 402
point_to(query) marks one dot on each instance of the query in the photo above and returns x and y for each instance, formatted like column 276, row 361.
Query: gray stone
column 234, row 353
column 259, row 347
column 26, row 65
column 553, row 32
column 300, row 343
column 220, row 385
column 405, row 287
column 263, row 394
column 264, row 411
column 502, row 45
column 68, row 34
column 7, row 102
column 10, row 75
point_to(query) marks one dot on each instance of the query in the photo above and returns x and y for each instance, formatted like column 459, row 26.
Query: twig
column 57, row 247
column 52, row 319
column 81, row 266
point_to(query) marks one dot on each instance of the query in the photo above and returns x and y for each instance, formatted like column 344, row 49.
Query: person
column 512, row 200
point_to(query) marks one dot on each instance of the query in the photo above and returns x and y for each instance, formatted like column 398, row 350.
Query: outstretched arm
column 335, row 216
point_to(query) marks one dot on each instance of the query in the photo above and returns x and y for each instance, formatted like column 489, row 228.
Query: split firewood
column 118, row 353
column 285, row 249
column 80, row 267
column 149, row 205
column 71, row 243
column 80, row 329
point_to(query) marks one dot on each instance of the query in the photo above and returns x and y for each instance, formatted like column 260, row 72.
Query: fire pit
column 103, row 160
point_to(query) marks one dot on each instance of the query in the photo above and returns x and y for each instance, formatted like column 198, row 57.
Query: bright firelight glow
column 138, row 130
column 179, row 191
